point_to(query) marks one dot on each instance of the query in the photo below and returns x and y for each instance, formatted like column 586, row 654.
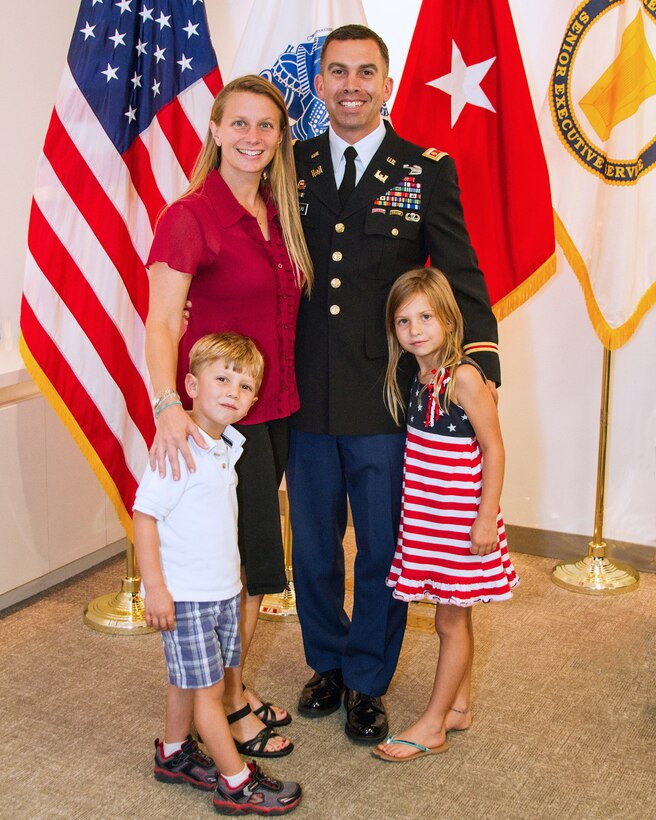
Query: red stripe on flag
column 87, row 415
column 98, row 210
column 77, row 294
column 138, row 162
column 181, row 135
column 213, row 81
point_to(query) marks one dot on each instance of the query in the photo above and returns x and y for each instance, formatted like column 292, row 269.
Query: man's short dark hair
column 354, row 31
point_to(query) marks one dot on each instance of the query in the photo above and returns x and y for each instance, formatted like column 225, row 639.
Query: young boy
column 185, row 535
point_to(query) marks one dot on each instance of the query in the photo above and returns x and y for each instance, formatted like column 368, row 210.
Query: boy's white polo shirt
column 197, row 520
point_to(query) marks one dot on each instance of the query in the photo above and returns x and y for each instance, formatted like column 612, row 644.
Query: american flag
column 129, row 119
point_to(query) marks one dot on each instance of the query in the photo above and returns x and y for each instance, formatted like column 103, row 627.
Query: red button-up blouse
column 241, row 283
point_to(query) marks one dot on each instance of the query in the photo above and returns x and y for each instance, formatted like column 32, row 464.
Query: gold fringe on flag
column 611, row 338
column 56, row 402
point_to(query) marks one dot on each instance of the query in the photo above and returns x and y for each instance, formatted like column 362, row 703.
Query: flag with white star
column 129, row 120
column 464, row 91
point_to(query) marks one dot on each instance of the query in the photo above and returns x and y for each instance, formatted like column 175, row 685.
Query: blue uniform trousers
column 322, row 471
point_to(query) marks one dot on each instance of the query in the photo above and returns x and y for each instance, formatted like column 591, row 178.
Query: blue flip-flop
column 420, row 751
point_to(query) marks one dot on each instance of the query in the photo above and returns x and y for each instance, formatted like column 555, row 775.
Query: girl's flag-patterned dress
column 442, row 480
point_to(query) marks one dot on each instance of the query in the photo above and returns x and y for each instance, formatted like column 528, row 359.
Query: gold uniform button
column 337, row 256
column 335, row 309
column 395, row 231
column 335, row 283
column 339, row 227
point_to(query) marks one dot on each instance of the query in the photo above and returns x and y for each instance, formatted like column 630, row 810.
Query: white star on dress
column 163, row 20
column 117, row 39
column 464, row 83
column 87, row 31
column 110, row 73
column 184, row 63
column 191, row 29
column 464, row 417
column 452, row 428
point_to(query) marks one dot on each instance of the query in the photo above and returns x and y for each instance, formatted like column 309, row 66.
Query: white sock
column 171, row 748
column 236, row 780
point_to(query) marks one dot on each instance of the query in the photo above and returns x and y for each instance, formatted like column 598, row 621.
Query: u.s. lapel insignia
column 391, row 160
column 316, row 171
column 315, row 154
column 380, row 176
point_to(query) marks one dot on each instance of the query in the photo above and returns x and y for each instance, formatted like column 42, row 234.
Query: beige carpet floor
column 565, row 714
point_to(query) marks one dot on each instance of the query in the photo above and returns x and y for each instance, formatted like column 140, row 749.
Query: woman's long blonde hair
column 434, row 285
column 279, row 176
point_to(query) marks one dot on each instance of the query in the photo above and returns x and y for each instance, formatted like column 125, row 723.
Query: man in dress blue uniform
column 367, row 218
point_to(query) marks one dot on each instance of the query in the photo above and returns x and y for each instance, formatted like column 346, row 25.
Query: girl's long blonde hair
column 279, row 177
column 434, row 285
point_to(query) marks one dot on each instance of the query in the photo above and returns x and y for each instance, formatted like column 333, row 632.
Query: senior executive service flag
column 464, row 91
column 282, row 42
column 130, row 115
column 596, row 63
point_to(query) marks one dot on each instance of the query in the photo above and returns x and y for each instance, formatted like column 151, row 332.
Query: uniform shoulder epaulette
column 435, row 154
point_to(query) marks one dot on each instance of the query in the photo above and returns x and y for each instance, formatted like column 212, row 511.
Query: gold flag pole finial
column 120, row 613
column 596, row 574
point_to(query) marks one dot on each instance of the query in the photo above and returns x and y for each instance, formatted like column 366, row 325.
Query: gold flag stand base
column 282, row 606
column 120, row 613
column 596, row 574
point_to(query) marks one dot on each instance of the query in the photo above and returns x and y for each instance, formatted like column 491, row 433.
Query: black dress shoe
column 366, row 719
column 322, row 694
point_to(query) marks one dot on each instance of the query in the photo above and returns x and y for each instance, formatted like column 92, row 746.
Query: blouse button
column 280, row 264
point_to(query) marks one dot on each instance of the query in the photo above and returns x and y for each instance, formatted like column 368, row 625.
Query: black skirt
column 260, row 470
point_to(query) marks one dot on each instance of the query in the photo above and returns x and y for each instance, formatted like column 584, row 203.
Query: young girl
column 452, row 545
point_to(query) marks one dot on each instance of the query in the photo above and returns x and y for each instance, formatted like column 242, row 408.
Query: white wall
column 551, row 358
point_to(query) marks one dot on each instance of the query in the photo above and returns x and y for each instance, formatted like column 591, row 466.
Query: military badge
column 406, row 195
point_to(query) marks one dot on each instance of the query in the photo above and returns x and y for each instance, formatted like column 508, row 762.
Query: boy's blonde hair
column 433, row 284
column 238, row 352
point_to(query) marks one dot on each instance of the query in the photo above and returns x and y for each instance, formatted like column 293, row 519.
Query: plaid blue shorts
column 204, row 641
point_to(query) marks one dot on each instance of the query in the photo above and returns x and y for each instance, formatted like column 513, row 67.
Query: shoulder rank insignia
column 435, row 154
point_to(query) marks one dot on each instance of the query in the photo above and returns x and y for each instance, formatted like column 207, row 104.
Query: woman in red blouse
column 233, row 245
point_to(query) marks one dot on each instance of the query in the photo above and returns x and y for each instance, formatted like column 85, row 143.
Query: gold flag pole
column 596, row 574
column 282, row 607
column 120, row 613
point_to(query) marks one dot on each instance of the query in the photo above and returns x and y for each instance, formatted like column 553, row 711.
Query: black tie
column 348, row 181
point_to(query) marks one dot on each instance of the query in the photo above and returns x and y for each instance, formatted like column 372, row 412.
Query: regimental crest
column 293, row 74
column 599, row 103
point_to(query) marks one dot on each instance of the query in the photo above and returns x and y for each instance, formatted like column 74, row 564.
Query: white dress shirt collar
column 366, row 149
